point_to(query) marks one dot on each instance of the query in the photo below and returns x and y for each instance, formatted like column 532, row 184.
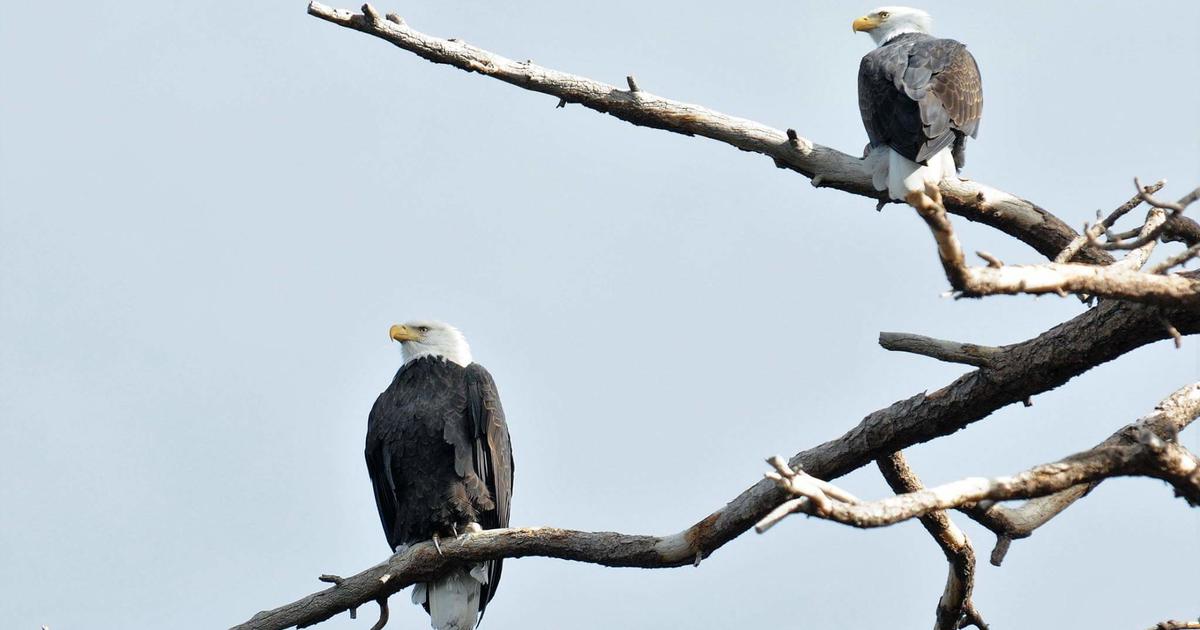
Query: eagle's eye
column 883, row 15
column 423, row 329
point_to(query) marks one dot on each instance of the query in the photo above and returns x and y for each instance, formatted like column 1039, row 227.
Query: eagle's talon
column 468, row 530
column 437, row 544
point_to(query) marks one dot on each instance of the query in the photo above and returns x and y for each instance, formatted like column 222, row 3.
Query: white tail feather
column 453, row 600
column 899, row 175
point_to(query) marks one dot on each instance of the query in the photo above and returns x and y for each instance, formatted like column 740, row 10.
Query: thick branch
column 1026, row 369
column 976, row 202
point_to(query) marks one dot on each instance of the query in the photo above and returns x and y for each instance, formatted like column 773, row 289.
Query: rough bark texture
column 1011, row 374
column 827, row 167
column 1023, row 370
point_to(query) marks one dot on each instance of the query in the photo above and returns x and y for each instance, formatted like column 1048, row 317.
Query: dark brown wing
column 919, row 95
column 960, row 91
column 493, row 460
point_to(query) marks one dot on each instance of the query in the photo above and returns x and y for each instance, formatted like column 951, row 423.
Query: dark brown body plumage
column 439, row 456
column 919, row 94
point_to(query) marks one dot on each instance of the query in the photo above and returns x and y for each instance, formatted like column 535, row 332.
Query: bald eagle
column 920, row 97
column 440, row 462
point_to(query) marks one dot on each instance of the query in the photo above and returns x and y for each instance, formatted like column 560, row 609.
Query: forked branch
column 1137, row 450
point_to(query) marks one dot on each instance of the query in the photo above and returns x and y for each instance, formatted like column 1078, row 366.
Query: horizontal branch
column 1150, row 457
column 423, row 563
column 1136, row 450
column 940, row 349
column 1177, row 624
column 827, row 167
column 1109, row 281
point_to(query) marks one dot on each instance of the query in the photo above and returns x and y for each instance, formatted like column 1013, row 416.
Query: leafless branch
column 1137, row 256
column 1094, row 232
column 831, row 168
column 955, row 608
column 1174, row 624
column 1136, row 451
column 1169, row 417
column 1176, row 208
column 1028, row 368
column 1022, row 370
column 383, row 614
column 1176, row 260
column 940, row 349
column 1057, row 278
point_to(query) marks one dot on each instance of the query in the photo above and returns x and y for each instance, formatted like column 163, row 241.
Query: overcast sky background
column 211, row 213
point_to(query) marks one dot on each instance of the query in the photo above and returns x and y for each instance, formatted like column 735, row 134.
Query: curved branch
column 827, row 167
column 1022, row 370
column 1147, row 447
column 955, row 609
column 1025, row 369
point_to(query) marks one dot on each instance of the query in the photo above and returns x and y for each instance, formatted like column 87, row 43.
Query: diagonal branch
column 827, row 167
column 1025, row 369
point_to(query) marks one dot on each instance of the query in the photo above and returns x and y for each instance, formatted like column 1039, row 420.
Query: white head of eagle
column 884, row 23
column 920, row 97
column 426, row 338
column 440, row 462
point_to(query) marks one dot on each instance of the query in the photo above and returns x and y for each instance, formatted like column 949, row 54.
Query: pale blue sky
column 211, row 212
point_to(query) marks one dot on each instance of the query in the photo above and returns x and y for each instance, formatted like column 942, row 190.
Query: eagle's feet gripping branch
column 470, row 528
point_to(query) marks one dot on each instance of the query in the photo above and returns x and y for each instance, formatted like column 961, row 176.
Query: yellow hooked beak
column 403, row 333
column 865, row 23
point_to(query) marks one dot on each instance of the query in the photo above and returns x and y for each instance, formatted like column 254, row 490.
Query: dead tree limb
column 831, row 168
column 1009, row 523
column 940, row 349
column 1026, row 369
column 1023, row 369
column 955, row 609
column 1139, row 449
column 1109, row 281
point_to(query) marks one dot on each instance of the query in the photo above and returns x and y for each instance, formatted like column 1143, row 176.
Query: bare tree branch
column 1136, row 450
column 955, row 609
column 1182, row 229
column 1176, row 209
column 1169, row 417
column 1175, row 624
column 1015, row 374
column 1176, row 260
column 1094, row 232
column 1028, row 368
column 940, row 349
column 1057, row 278
column 1137, row 256
column 827, row 167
